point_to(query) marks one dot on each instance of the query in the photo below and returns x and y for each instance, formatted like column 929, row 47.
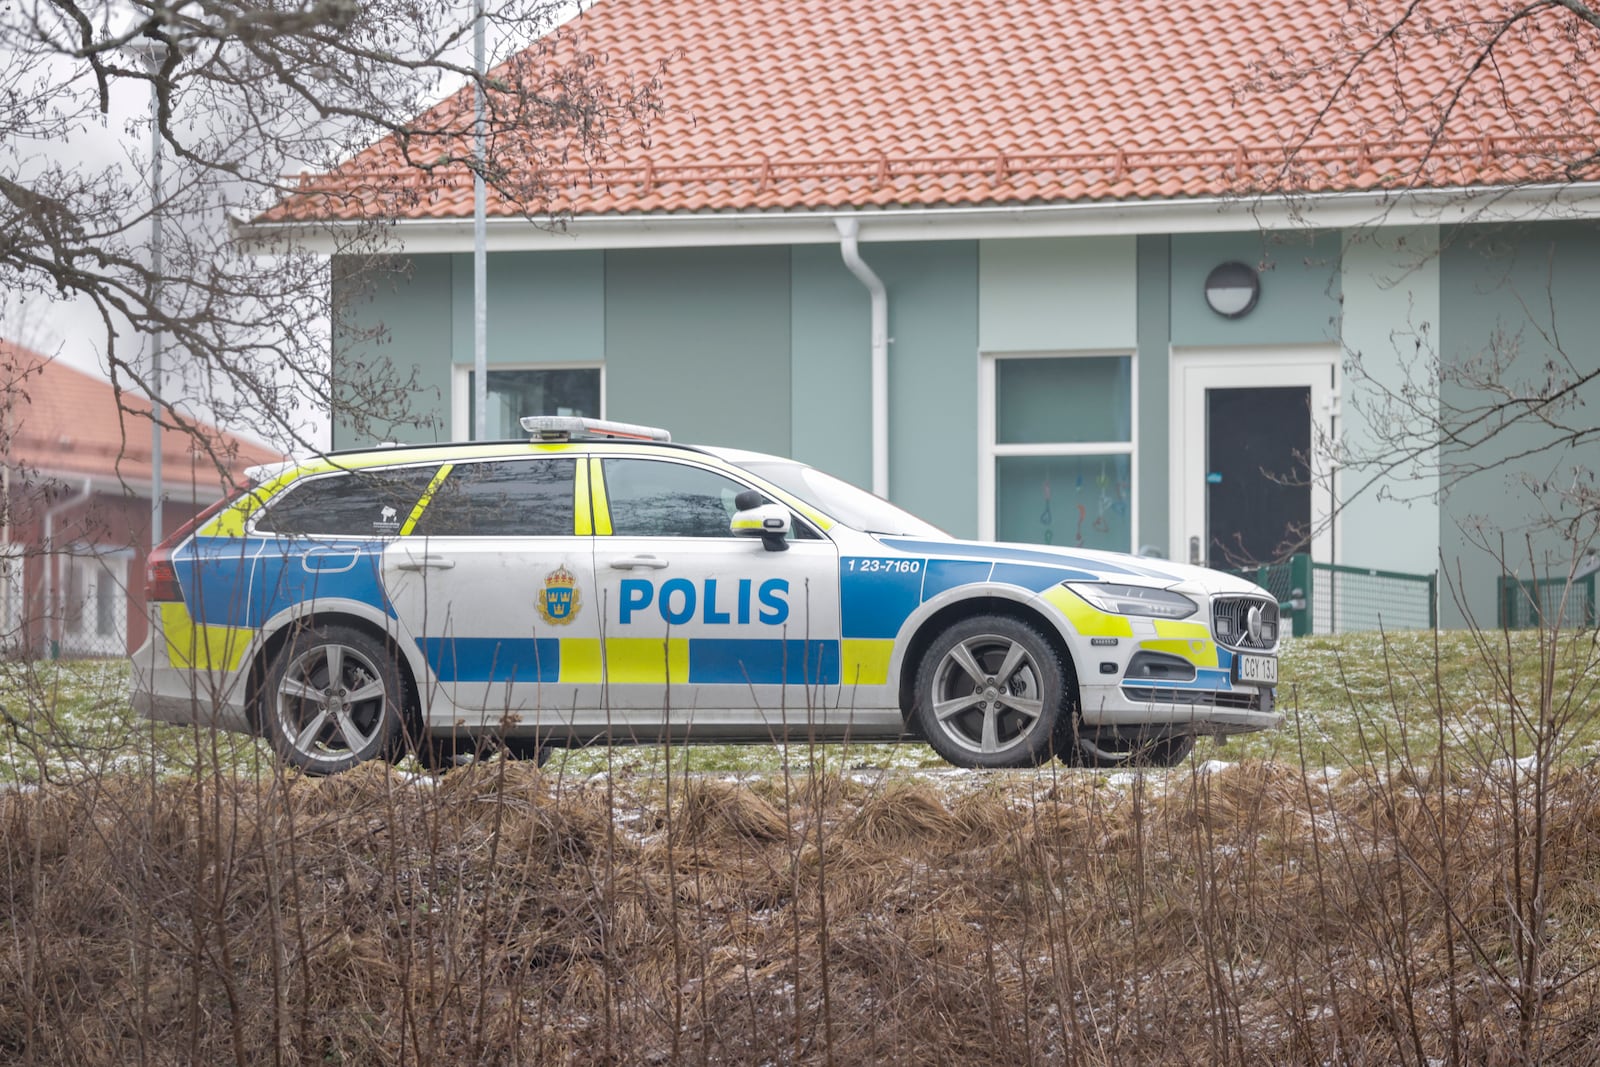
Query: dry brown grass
column 1253, row 915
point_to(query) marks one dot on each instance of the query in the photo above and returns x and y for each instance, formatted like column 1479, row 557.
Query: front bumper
column 1217, row 712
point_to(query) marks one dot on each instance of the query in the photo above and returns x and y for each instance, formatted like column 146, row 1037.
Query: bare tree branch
column 245, row 93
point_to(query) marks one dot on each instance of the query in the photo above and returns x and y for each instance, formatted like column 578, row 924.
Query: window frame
column 991, row 451
column 461, row 384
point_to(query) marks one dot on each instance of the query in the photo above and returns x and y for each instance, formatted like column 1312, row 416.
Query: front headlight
column 1122, row 599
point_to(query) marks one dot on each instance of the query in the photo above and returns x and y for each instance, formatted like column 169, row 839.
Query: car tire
column 333, row 697
column 1168, row 751
column 989, row 692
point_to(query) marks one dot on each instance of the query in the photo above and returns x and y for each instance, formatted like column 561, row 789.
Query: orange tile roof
column 66, row 423
column 789, row 104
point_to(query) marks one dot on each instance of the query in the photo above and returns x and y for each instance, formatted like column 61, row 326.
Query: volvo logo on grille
column 1252, row 623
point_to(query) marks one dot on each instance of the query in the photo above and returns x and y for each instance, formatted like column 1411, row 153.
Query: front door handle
column 636, row 563
column 423, row 563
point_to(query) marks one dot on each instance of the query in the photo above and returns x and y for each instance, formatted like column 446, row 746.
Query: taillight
column 160, row 576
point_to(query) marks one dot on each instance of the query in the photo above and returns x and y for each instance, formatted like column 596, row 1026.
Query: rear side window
column 512, row 498
column 364, row 503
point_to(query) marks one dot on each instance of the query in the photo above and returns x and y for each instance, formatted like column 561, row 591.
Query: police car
column 600, row 583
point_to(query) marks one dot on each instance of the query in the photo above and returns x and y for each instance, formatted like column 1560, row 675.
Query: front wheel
column 989, row 692
column 333, row 698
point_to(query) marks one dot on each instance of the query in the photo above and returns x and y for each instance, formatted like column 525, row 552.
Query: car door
column 699, row 625
column 493, row 580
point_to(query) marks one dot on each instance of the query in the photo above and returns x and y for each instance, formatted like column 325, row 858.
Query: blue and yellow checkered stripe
column 632, row 660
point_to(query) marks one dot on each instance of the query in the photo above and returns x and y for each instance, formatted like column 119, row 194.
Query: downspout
column 53, row 619
column 849, row 231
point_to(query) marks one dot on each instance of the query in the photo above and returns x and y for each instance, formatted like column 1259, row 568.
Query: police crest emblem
column 559, row 601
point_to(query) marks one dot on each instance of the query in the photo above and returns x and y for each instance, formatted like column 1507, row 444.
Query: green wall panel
column 1065, row 293
column 1299, row 301
column 831, row 394
column 697, row 340
column 394, row 322
column 933, row 379
column 1518, row 307
column 933, row 373
column 543, row 307
column 1155, row 360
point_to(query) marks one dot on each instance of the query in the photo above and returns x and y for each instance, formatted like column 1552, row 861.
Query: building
column 1135, row 276
column 77, row 482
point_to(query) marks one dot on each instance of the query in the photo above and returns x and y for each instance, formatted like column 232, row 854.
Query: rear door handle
column 635, row 563
column 423, row 563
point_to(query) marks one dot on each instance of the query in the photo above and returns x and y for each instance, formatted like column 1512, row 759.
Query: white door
column 495, row 586
column 701, row 626
column 1251, row 430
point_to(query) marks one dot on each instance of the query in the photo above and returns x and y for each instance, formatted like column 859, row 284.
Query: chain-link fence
column 1327, row 598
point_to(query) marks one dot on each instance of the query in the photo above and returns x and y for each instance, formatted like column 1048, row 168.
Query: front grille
column 1240, row 699
column 1230, row 618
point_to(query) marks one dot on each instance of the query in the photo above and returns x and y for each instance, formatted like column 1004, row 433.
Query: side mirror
column 770, row 522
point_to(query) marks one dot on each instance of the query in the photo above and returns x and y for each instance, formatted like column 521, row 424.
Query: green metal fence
column 1556, row 602
column 1328, row 598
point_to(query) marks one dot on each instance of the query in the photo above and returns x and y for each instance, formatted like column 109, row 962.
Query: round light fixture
column 1232, row 289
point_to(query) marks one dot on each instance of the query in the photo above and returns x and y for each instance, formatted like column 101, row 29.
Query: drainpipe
column 53, row 618
column 849, row 231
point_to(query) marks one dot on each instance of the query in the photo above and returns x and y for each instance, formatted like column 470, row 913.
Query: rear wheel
column 989, row 692
column 333, row 698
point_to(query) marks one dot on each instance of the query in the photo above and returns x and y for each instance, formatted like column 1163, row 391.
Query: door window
column 512, row 498
column 1258, row 487
column 652, row 498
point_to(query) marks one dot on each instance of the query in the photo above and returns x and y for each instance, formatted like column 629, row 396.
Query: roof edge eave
column 1339, row 210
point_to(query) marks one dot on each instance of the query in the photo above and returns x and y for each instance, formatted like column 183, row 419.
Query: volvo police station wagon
column 599, row 583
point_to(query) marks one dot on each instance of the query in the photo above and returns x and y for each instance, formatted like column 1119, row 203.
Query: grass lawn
column 1348, row 700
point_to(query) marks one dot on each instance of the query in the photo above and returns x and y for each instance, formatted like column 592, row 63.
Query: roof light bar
column 575, row 428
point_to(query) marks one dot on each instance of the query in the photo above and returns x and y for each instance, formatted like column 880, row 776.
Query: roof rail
column 576, row 428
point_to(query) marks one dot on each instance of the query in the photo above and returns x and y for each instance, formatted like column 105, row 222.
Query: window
column 1059, row 468
column 366, row 503
column 517, row 391
column 92, row 601
column 655, row 498
column 515, row 498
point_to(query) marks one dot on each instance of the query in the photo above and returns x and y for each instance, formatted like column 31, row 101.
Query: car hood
column 1085, row 564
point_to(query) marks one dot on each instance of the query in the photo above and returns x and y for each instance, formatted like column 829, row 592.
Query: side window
column 363, row 503
column 655, row 498
column 513, row 498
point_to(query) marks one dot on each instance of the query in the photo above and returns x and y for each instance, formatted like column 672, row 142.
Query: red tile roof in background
column 810, row 104
column 66, row 423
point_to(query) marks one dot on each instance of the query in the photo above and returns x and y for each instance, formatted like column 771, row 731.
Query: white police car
column 600, row 583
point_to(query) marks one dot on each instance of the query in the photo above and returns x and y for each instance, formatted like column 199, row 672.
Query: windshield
column 840, row 500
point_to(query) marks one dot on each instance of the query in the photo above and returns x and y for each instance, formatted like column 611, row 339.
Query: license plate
column 1256, row 670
